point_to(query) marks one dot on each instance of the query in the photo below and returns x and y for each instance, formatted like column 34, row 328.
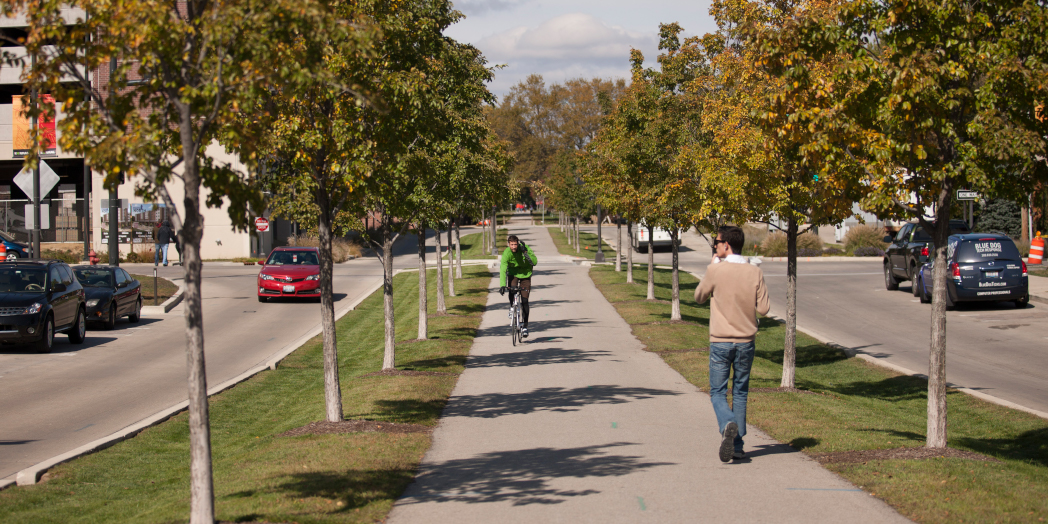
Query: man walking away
column 163, row 238
column 739, row 294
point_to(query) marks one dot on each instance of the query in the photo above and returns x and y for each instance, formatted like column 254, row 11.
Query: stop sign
column 262, row 224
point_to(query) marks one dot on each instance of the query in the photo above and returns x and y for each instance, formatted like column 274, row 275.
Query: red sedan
column 290, row 272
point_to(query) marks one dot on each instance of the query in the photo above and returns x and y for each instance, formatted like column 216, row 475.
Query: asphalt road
column 992, row 348
column 57, row 402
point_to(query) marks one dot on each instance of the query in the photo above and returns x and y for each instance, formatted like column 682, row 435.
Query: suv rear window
column 955, row 229
column 987, row 249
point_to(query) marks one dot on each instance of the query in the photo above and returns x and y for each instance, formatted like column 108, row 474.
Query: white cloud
column 567, row 46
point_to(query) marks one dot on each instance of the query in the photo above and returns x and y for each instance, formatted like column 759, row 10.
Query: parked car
column 660, row 237
column 983, row 267
column 39, row 298
column 110, row 293
column 290, row 272
column 15, row 250
column 908, row 250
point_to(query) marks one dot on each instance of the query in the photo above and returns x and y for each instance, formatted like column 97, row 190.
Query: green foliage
column 864, row 235
column 999, row 215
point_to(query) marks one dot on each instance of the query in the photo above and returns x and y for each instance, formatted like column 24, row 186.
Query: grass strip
column 164, row 288
column 859, row 407
column 473, row 248
column 261, row 477
column 587, row 245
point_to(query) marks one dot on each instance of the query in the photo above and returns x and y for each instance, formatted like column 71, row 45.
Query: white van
column 660, row 237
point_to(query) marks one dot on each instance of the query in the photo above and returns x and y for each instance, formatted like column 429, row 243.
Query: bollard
column 1037, row 250
column 155, row 299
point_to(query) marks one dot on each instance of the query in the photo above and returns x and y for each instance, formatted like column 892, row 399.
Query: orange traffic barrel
column 1037, row 249
column 3, row 252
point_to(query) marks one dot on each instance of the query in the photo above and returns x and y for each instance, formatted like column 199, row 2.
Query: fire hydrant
column 93, row 257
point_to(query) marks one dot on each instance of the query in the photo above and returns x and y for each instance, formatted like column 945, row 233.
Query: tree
column 932, row 97
column 194, row 62
column 806, row 182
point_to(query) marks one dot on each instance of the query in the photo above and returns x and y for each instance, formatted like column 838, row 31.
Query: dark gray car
column 111, row 293
column 983, row 267
column 39, row 298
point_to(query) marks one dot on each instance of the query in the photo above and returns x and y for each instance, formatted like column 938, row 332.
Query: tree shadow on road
column 521, row 477
column 491, row 405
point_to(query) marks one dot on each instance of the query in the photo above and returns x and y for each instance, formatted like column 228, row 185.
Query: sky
column 566, row 39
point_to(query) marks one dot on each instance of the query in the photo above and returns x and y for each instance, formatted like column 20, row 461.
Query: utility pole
column 114, row 198
column 87, row 173
column 36, row 173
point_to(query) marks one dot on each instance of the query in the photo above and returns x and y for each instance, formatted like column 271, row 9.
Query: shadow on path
column 521, row 477
column 490, row 405
column 535, row 357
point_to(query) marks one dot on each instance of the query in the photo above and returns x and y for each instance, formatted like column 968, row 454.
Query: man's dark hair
column 512, row 238
column 735, row 237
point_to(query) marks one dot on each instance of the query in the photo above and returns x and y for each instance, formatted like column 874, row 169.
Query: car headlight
column 266, row 277
column 313, row 277
column 35, row 308
column 92, row 303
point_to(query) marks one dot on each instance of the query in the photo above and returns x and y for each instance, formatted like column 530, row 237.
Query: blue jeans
column 156, row 254
column 723, row 357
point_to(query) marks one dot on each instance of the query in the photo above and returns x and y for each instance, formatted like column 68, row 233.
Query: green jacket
column 516, row 264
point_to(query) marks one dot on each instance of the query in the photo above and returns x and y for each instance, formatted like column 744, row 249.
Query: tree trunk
column 789, row 357
column 1024, row 232
column 451, row 263
column 675, row 303
column 494, row 232
column 202, row 488
column 441, row 306
column 629, row 253
column 578, row 224
column 483, row 232
column 458, row 251
column 389, row 359
column 332, row 388
column 423, row 286
column 936, row 437
column 651, row 263
column 618, row 246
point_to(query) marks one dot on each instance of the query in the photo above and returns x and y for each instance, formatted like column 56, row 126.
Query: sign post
column 262, row 225
column 969, row 197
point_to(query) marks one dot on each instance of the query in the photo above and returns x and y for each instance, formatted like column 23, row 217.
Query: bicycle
column 515, row 319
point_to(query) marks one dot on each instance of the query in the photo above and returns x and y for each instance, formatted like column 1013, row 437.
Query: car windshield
column 22, row 280
column 987, row 249
column 94, row 277
column 293, row 258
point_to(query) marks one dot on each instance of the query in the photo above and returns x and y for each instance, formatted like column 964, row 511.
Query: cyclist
column 517, row 261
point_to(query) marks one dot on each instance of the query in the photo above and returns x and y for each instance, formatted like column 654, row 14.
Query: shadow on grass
column 535, row 357
column 467, row 309
column 895, row 389
column 1030, row 446
column 807, row 356
column 521, row 477
column 801, row 443
column 435, row 363
column 562, row 400
column 355, row 488
column 406, row 411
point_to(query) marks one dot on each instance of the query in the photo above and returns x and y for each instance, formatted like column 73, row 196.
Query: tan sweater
column 739, row 293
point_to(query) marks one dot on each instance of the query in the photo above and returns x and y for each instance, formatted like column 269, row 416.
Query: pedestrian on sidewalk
column 516, row 266
column 163, row 238
column 739, row 294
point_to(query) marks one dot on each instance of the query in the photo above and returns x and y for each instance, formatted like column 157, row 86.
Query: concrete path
column 580, row 424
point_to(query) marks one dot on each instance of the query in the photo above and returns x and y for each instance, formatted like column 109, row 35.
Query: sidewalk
column 581, row 425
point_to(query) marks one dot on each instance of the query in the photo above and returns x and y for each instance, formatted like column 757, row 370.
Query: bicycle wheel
column 513, row 326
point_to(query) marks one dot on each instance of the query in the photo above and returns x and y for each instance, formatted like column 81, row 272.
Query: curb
column 32, row 474
column 168, row 304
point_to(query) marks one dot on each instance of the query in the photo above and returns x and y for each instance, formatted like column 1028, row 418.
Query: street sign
column 964, row 194
column 262, row 224
column 45, row 216
column 48, row 180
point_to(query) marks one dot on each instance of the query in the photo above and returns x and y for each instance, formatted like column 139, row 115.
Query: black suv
column 39, row 298
column 908, row 251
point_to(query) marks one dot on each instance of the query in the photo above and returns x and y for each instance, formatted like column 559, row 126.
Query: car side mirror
column 887, row 239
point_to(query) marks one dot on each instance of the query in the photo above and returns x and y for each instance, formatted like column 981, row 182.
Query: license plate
column 289, row 289
column 991, row 274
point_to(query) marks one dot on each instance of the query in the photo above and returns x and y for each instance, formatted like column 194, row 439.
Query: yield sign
column 48, row 180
